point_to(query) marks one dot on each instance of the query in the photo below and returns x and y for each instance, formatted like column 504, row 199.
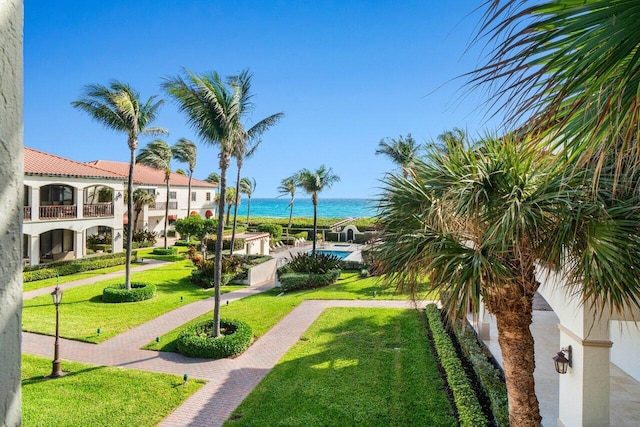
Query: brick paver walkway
column 229, row 380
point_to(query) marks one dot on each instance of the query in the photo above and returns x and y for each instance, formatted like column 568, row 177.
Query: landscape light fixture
column 56, row 372
column 562, row 360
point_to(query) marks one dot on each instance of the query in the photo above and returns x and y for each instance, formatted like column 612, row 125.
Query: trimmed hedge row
column 469, row 410
column 51, row 270
column 75, row 261
column 163, row 251
column 195, row 340
column 294, row 281
column 139, row 291
column 351, row 265
column 489, row 376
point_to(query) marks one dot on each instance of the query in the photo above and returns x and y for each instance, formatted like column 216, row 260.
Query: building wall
column 626, row 346
column 11, row 198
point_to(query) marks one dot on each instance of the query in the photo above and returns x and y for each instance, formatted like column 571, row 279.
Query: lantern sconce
column 563, row 360
column 118, row 195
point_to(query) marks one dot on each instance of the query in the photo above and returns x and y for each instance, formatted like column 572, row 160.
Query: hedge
column 275, row 230
column 206, row 280
column 351, row 265
column 139, row 291
column 64, row 268
column 185, row 243
column 163, row 251
column 195, row 340
column 489, row 376
column 469, row 410
column 294, row 281
column 76, row 261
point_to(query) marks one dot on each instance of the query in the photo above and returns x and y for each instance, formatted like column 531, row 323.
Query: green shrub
column 185, row 243
column 311, row 264
column 275, row 230
column 294, row 281
column 64, row 268
column 238, row 244
column 302, row 235
column 196, row 340
column 489, row 376
column 465, row 399
column 204, row 274
column 350, row 265
column 163, row 251
column 118, row 293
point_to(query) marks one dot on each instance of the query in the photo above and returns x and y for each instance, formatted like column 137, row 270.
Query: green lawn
column 82, row 311
column 37, row 284
column 263, row 311
column 353, row 367
column 98, row 396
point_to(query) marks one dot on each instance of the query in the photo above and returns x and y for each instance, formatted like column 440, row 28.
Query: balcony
column 97, row 210
column 58, row 212
column 26, row 213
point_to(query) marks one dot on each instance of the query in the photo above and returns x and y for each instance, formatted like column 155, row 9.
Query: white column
column 79, row 243
column 34, row 249
column 35, row 203
column 80, row 202
column 117, row 240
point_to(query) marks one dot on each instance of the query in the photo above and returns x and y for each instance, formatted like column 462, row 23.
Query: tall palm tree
column 288, row 187
column 476, row 221
column 214, row 109
column 230, row 200
column 313, row 182
column 401, row 151
column 185, row 151
column 248, row 186
column 141, row 198
column 567, row 69
column 213, row 178
column 118, row 107
column 246, row 147
column 158, row 154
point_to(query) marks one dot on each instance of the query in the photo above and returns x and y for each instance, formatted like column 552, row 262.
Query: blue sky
column 345, row 73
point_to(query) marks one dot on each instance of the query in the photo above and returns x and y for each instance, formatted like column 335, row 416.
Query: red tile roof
column 41, row 163
column 146, row 175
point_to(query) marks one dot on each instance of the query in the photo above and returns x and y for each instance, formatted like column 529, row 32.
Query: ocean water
column 327, row 208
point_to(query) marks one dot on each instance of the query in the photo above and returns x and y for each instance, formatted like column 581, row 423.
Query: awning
column 172, row 217
column 193, row 213
column 208, row 214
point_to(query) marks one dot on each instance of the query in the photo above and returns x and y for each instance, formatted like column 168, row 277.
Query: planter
column 196, row 340
column 118, row 293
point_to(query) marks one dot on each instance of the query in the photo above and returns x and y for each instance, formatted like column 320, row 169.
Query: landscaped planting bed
column 139, row 291
column 353, row 367
column 196, row 340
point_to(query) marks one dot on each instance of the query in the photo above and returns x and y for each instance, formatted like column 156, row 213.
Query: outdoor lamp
column 56, row 296
column 562, row 361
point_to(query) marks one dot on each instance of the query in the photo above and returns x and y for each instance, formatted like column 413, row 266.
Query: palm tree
column 248, row 186
column 313, row 182
column 158, row 154
column 213, row 178
column 401, row 151
column 288, row 187
column 214, row 109
column 141, row 198
column 476, row 221
column 230, row 200
column 185, row 151
column 118, row 107
column 567, row 69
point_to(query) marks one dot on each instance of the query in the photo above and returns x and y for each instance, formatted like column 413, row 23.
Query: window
column 208, row 196
column 172, row 195
column 193, row 196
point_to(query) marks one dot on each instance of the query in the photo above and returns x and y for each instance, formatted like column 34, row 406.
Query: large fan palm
column 313, row 182
column 215, row 110
column 158, row 154
column 248, row 187
column 118, row 107
column 401, row 151
column 476, row 222
column 185, row 151
column 288, row 188
column 569, row 69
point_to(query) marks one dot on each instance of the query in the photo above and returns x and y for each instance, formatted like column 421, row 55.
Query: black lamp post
column 56, row 372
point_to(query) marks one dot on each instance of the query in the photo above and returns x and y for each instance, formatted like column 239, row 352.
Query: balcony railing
column 58, row 212
column 161, row 205
column 26, row 213
column 98, row 210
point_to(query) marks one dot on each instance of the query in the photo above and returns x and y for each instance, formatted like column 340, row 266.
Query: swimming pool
column 339, row 254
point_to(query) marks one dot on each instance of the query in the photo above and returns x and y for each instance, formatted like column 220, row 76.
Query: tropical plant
column 248, row 186
column 185, row 151
column 194, row 225
column 181, row 171
column 215, row 110
column 118, row 107
column 158, row 154
column 230, row 201
column 313, row 182
column 401, row 151
column 288, row 187
column 141, row 198
column 477, row 221
column 213, row 178
column 567, row 69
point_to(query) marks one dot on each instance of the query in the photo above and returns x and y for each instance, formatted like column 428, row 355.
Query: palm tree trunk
column 291, row 212
column 235, row 209
column 166, row 216
column 314, row 199
column 189, row 201
column 217, row 267
column 127, row 265
column 513, row 319
column 248, row 208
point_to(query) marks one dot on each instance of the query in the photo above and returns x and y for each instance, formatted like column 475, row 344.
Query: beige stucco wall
column 11, row 170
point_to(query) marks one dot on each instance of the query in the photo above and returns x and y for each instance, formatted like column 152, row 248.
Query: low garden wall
column 261, row 273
